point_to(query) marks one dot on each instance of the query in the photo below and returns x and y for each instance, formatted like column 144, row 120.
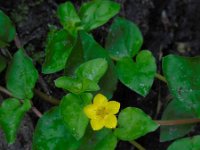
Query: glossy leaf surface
column 11, row 115
column 21, row 76
column 133, row 123
column 52, row 134
column 72, row 112
column 96, row 13
column 183, row 77
column 139, row 75
column 124, row 39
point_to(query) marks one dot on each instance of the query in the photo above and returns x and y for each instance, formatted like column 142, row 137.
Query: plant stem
column 47, row 98
column 160, row 77
column 33, row 108
column 177, row 122
column 17, row 42
column 137, row 145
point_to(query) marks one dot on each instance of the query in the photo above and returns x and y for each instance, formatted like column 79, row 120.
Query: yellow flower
column 102, row 112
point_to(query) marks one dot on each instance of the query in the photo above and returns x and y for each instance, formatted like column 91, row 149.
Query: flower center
column 102, row 112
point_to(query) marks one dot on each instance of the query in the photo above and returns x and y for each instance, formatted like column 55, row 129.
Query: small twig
column 47, row 98
column 43, row 85
column 34, row 109
column 160, row 77
column 177, row 122
column 17, row 42
column 137, row 145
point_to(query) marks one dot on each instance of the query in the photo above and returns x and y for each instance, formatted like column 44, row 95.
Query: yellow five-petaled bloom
column 102, row 112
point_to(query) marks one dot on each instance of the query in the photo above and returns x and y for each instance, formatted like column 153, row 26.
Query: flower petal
column 90, row 111
column 113, row 107
column 100, row 100
column 97, row 124
column 111, row 121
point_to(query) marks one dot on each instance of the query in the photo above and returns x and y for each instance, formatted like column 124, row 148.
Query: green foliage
column 68, row 17
column 72, row 112
column 138, row 75
column 186, row 144
column 175, row 110
column 3, row 63
column 96, row 13
column 134, row 123
column 124, row 39
column 21, row 76
column 58, row 48
column 52, row 134
column 102, row 140
column 183, row 77
column 11, row 115
column 86, row 77
column 7, row 32
column 93, row 50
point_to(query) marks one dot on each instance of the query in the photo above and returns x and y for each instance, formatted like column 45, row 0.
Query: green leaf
column 7, row 32
column 73, row 115
column 190, row 143
column 68, row 17
column 96, row 13
column 52, row 134
column 58, row 49
column 175, row 110
column 21, row 76
column 183, row 77
column 92, row 69
column 93, row 50
column 11, row 115
column 134, row 123
column 124, row 39
column 3, row 63
column 139, row 75
column 101, row 140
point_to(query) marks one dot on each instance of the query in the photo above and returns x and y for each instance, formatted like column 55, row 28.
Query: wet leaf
column 11, row 115
column 58, row 49
column 7, row 32
column 190, row 143
column 124, row 39
column 139, row 75
column 72, row 112
column 175, row 110
column 68, row 17
column 183, row 77
column 101, row 140
column 96, row 13
column 93, row 50
column 52, row 134
column 92, row 69
column 21, row 76
column 3, row 63
column 133, row 123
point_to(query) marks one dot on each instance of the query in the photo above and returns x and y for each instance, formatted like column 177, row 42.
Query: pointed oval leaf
column 68, row 17
column 21, row 76
column 139, row 75
column 175, row 110
column 92, row 69
column 190, row 143
column 134, row 123
column 183, row 77
column 58, row 49
column 72, row 112
column 7, row 32
column 101, row 140
column 93, row 50
column 96, row 13
column 124, row 39
column 11, row 115
column 52, row 134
